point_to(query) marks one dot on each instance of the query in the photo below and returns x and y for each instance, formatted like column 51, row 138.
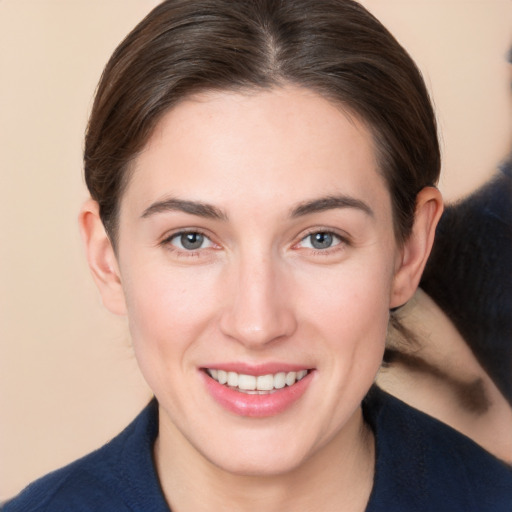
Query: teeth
column 280, row 380
column 265, row 382
column 247, row 382
column 252, row 384
column 232, row 379
column 291, row 377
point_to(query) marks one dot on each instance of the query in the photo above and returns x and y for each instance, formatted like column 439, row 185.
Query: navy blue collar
column 421, row 464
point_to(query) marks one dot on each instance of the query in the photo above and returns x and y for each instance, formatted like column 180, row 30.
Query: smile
column 251, row 384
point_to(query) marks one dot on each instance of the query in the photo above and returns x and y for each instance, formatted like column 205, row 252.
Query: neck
column 341, row 472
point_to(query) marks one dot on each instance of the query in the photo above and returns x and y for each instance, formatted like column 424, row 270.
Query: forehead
column 275, row 145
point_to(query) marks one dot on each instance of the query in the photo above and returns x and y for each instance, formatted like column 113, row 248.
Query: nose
column 259, row 310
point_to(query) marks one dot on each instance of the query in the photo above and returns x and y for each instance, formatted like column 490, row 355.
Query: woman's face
column 256, row 245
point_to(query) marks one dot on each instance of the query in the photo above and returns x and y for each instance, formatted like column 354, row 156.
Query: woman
column 262, row 179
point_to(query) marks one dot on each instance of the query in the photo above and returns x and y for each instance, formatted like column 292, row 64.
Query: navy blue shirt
column 422, row 465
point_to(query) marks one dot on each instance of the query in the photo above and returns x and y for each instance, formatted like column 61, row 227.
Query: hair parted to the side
column 333, row 47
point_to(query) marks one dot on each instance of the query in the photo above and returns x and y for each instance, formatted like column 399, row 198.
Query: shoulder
column 426, row 465
column 70, row 488
column 116, row 477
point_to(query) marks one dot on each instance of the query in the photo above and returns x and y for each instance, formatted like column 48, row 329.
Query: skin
column 258, row 292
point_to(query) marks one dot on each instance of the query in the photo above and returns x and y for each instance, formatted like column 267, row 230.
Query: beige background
column 68, row 380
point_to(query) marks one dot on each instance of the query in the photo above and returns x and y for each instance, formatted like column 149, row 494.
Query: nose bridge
column 258, row 312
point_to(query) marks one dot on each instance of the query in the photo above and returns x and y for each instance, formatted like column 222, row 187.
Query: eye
column 320, row 240
column 190, row 241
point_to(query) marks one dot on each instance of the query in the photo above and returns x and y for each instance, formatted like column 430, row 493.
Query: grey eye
column 190, row 241
column 320, row 240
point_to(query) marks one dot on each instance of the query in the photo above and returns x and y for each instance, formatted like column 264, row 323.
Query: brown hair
column 334, row 47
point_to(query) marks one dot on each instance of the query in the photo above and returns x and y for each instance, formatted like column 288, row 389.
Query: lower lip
column 257, row 406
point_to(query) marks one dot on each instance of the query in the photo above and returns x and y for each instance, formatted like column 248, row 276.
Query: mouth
column 257, row 391
column 256, row 385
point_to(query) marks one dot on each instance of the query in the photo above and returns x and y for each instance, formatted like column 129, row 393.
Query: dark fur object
column 469, row 274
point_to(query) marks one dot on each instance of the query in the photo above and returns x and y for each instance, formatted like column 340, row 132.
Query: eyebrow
column 330, row 203
column 192, row 207
column 212, row 212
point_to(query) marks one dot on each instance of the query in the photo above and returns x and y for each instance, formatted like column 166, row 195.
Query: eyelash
column 343, row 242
column 184, row 253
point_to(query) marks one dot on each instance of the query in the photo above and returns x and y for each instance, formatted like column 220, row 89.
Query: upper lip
column 257, row 369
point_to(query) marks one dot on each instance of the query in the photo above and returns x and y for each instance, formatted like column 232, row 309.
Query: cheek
column 350, row 308
column 167, row 311
column 350, row 296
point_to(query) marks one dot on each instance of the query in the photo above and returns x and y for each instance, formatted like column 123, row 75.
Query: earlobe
column 416, row 249
column 101, row 258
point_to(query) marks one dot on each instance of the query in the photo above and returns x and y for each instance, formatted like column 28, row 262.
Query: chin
column 255, row 455
column 247, row 465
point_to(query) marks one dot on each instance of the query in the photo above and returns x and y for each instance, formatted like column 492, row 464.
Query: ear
column 101, row 258
column 416, row 249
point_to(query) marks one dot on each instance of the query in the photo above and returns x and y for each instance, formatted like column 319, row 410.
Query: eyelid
column 343, row 237
column 335, row 237
column 166, row 241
